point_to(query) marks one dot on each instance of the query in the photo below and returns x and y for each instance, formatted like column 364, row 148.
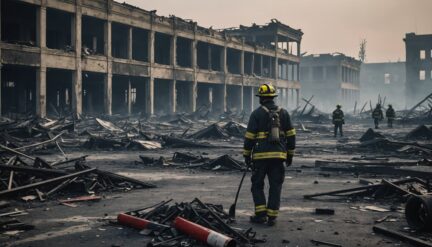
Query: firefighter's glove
column 289, row 160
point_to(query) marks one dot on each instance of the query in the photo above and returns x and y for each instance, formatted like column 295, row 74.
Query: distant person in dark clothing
column 377, row 115
column 338, row 120
column 391, row 115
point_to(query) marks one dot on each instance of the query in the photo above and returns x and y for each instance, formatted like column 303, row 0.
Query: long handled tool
column 232, row 209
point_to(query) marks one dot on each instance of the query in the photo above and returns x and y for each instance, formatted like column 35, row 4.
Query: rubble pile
column 420, row 112
column 309, row 113
column 118, row 134
column 46, row 181
column 161, row 222
column 190, row 161
column 422, row 132
column 383, row 191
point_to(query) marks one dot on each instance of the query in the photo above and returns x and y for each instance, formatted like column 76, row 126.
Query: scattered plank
column 401, row 236
column 82, row 199
column 17, row 190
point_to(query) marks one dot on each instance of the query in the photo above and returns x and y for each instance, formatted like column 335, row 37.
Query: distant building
column 332, row 79
column 418, row 67
column 383, row 79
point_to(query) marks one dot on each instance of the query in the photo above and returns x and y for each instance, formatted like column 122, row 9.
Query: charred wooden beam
column 14, row 191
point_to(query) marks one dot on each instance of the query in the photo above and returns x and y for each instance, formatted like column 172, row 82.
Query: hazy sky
column 328, row 25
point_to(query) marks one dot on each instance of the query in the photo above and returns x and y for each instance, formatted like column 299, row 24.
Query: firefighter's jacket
column 377, row 114
column 338, row 116
column 390, row 113
column 256, row 138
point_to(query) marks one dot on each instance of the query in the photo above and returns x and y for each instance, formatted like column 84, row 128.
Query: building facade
column 99, row 56
column 418, row 67
column 332, row 79
column 385, row 80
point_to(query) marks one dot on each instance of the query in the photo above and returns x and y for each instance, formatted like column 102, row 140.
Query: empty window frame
column 387, row 78
column 422, row 54
column 422, row 75
column 133, row 95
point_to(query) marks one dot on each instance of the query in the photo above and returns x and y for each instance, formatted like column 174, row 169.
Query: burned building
column 103, row 57
column 331, row 78
column 418, row 67
column 385, row 81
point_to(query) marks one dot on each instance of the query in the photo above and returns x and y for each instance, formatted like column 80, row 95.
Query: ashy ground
column 88, row 224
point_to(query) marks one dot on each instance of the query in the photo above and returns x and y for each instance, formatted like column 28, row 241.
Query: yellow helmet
column 266, row 90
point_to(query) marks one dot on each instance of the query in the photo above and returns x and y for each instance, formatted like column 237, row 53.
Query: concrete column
column 107, row 38
column 298, row 49
column 173, row 51
column 41, row 25
column 297, row 97
column 298, row 71
column 108, row 75
column 1, row 85
column 41, row 92
column 194, row 85
column 129, row 98
column 77, row 75
column 0, row 70
column 210, row 98
column 150, row 96
column 150, row 84
column 252, row 98
column 150, row 47
column 253, row 64
column 108, row 93
column 261, row 65
column 77, row 92
column 271, row 68
column 276, row 60
column 241, row 96
column 172, row 96
column 242, row 72
column 130, row 43
column 41, row 72
column 287, row 71
column 225, row 70
column 172, row 84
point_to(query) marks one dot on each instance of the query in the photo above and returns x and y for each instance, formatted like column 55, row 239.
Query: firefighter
column 390, row 115
column 338, row 120
column 377, row 115
column 269, row 142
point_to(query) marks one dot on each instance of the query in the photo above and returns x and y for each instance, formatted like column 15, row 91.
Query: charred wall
column 99, row 57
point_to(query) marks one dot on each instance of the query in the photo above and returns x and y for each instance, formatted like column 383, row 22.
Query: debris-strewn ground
column 145, row 152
